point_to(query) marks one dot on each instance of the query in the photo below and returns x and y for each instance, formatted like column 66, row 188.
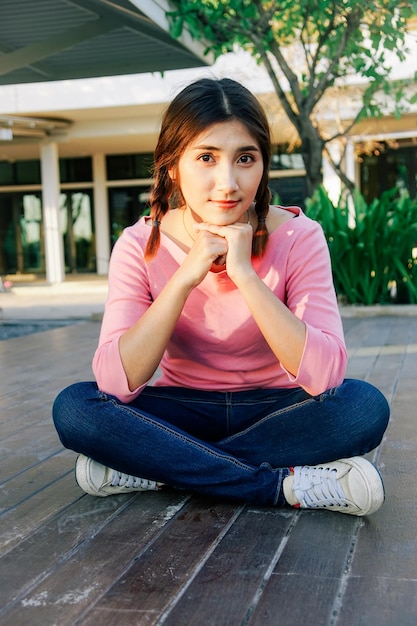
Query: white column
column 101, row 214
column 54, row 249
column 351, row 174
column 331, row 180
column 350, row 166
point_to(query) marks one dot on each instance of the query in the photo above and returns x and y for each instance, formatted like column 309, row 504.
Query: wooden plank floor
column 176, row 559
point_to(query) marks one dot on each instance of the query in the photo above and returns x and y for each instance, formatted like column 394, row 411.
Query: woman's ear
column 171, row 173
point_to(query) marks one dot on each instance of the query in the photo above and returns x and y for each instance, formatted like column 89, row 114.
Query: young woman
column 231, row 300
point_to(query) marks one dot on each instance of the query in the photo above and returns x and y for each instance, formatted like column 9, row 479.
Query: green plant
column 371, row 245
column 309, row 48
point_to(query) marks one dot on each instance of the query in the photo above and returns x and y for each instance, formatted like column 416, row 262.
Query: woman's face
column 219, row 173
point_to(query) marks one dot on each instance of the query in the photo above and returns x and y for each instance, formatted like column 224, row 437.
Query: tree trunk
column 312, row 152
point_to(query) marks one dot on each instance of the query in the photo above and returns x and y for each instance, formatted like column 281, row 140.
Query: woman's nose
column 226, row 179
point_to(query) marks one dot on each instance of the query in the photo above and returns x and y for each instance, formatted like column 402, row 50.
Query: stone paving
column 73, row 299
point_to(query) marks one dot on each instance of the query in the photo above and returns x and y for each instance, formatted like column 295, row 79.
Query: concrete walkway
column 84, row 297
column 81, row 298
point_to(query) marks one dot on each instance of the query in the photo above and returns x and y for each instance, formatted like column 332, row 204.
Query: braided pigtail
column 160, row 195
column 261, row 235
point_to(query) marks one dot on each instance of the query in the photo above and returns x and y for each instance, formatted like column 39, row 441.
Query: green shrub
column 370, row 247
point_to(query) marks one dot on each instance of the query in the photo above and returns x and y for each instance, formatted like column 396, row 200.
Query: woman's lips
column 226, row 204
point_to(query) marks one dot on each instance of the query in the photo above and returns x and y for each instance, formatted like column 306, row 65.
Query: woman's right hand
column 206, row 250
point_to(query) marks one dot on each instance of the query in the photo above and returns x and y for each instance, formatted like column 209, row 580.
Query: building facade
column 76, row 163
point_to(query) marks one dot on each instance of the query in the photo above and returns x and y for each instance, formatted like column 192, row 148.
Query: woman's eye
column 246, row 158
column 205, row 157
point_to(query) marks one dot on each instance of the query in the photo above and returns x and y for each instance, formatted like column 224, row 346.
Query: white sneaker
column 99, row 480
column 352, row 486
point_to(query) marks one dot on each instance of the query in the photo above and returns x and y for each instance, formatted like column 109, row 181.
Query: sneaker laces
column 318, row 487
column 119, row 479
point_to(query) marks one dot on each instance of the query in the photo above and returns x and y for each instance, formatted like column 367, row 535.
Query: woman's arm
column 305, row 331
column 284, row 332
column 141, row 347
column 136, row 330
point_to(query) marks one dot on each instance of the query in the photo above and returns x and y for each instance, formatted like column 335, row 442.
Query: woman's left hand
column 283, row 331
column 239, row 246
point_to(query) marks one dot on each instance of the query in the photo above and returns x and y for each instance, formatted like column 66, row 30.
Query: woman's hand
column 268, row 311
column 238, row 240
column 208, row 248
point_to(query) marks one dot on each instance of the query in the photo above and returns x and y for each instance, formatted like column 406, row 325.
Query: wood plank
column 226, row 587
column 364, row 346
column 37, row 477
column 379, row 361
column 39, row 441
column 306, row 592
column 382, row 583
column 380, row 601
column 307, row 577
column 21, row 451
column 71, row 558
column 367, row 331
column 22, row 521
column 74, row 557
column 152, row 582
column 25, row 410
column 69, row 349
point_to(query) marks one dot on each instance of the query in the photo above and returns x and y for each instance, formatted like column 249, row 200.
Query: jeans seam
column 185, row 399
column 224, row 400
column 179, row 436
column 265, row 419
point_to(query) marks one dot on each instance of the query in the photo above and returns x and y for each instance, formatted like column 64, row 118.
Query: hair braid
column 261, row 235
column 159, row 201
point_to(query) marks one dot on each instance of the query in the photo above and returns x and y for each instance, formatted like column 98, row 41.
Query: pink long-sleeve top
column 216, row 344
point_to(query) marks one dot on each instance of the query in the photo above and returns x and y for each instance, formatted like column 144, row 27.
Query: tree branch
column 292, row 115
column 327, row 79
column 337, row 168
column 275, row 50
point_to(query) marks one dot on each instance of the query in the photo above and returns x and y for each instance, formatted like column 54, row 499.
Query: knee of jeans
column 68, row 404
column 374, row 408
column 380, row 413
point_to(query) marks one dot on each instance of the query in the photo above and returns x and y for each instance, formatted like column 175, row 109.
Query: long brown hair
column 201, row 104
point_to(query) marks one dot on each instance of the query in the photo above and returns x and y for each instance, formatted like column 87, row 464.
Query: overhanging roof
column 46, row 40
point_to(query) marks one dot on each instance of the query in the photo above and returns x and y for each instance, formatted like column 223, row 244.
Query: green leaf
column 310, row 44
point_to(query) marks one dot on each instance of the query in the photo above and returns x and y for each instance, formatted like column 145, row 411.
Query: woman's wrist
column 243, row 277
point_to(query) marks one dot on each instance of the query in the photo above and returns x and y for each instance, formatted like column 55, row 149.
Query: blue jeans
column 235, row 445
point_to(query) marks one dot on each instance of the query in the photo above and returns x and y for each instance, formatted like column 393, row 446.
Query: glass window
column 129, row 166
column 283, row 159
column 77, row 225
column 126, row 205
column 387, row 168
column 20, row 173
column 79, row 170
column 6, row 173
column 21, row 241
column 289, row 191
column 31, row 232
column 144, row 165
column 27, row 172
